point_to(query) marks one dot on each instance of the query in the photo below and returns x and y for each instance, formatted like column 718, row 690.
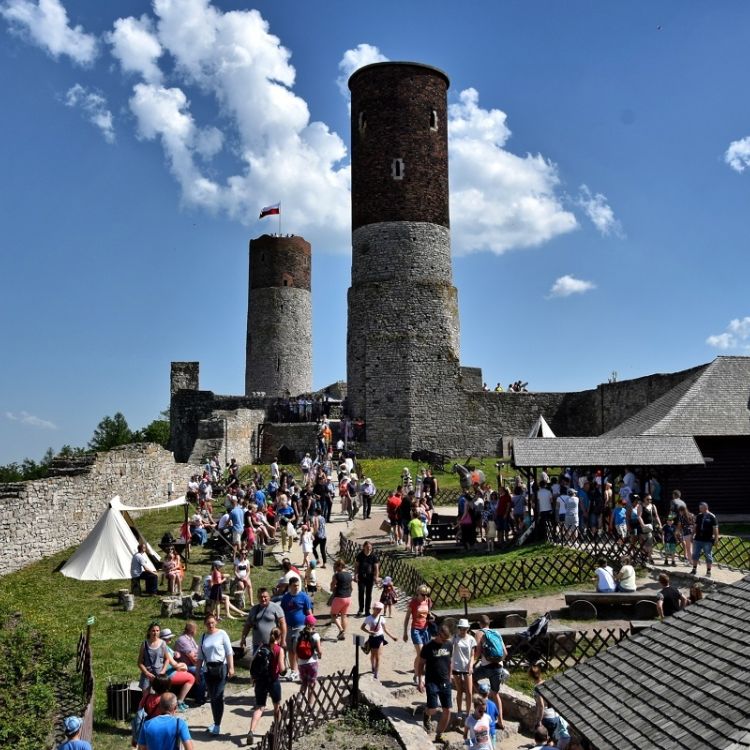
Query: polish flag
column 270, row 210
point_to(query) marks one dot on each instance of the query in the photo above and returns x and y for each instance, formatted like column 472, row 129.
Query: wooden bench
column 562, row 639
column 586, row 604
column 498, row 617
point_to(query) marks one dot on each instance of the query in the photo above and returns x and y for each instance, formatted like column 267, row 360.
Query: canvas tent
column 107, row 551
column 541, row 429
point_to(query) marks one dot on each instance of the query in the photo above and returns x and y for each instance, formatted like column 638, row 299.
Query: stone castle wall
column 42, row 517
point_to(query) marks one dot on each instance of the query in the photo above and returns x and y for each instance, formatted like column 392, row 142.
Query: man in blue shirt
column 260, row 498
column 161, row 732
column 237, row 517
column 296, row 605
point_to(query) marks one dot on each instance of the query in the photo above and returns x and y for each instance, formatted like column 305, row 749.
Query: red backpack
column 304, row 648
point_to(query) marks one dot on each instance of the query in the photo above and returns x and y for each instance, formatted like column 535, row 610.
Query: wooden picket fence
column 443, row 497
column 85, row 668
column 333, row 695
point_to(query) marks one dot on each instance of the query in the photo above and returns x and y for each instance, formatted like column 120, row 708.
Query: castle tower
column 403, row 333
column 279, row 317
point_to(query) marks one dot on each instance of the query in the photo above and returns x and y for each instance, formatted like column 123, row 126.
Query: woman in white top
column 464, row 647
column 374, row 626
column 242, row 579
column 216, row 659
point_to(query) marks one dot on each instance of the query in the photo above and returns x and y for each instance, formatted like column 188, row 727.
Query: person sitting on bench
column 626, row 577
column 143, row 569
column 605, row 579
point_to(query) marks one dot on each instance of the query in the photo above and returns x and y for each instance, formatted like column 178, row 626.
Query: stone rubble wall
column 41, row 517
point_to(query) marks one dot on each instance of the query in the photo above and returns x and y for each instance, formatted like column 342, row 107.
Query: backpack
column 493, row 648
column 304, row 648
column 261, row 666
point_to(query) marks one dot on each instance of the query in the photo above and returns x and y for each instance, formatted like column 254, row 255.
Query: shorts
column 417, row 541
column 266, row 688
column 376, row 641
column 420, row 636
column 439, row 693
column 670, row 548
column 308, row 673
column 571, row 521
column 236, row 537
column 489, row 672
column 340, row 605
column 292, row 636
column 491, row 530
column 621, row 529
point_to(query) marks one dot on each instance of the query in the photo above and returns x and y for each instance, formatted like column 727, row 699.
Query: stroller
column 530, row 645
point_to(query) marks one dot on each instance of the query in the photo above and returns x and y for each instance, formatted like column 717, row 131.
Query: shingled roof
column 712, row 401
column 656, row 450
column 679, row 684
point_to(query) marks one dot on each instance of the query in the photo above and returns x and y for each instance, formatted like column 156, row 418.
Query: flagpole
column 279, row 218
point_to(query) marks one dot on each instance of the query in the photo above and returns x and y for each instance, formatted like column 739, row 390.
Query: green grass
column 58, row 607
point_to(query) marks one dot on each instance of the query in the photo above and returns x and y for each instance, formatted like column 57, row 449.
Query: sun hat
column 218, row 563
column 462, row 623
column 72, row 725
column 387, row 581
column 166, row 634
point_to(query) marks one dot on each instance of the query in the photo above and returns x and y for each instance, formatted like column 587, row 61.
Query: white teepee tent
column 106, row 553
column 541, row 429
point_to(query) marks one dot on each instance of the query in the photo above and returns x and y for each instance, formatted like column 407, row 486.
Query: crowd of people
column 461, row 668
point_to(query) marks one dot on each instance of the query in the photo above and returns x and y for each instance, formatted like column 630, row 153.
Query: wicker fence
column 731, row 551
column 563, row 650
column 333, row 695
column 85, row 668
column 486, row 580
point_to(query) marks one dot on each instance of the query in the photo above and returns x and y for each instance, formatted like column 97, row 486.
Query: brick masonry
column 44, row 516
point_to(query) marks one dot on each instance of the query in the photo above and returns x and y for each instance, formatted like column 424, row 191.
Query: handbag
column 215, row 670
column 366, row 646
column 385, row 526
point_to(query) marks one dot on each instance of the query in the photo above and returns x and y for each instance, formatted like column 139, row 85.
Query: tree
column 111, row 432
column 155, row 432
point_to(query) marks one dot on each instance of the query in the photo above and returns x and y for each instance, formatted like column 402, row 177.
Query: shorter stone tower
column 279, row 317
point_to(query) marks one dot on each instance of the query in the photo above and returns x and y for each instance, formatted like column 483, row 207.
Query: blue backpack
column 493, row 648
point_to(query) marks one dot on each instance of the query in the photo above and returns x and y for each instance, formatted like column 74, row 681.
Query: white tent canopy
column 541, row 429
column 106, row 553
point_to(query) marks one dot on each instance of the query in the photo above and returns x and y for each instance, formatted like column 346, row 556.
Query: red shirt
column 392, row 506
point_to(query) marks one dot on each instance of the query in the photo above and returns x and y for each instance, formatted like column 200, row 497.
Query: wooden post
column 291, row 723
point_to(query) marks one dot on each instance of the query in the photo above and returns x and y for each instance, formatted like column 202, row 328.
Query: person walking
column 368, row 492
column 265, row 669
column 418, row 613
column 434, row 674
column 164, row 732
column 216, row 660
column 374, row 626
column 297, row 605
column 706, row 536
column 262, row 619
column 366, row 574
column 464, row 647
column 341, row 597
column 319, row 536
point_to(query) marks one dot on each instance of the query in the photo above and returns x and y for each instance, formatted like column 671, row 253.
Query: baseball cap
column 310, row 620
column 72, row 725
column 378, row 605
column 483, row 686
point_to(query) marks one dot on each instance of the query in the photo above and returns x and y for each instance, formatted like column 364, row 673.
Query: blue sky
column 599, row 178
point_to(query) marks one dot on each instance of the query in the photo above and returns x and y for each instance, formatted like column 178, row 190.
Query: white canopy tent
column 106, row 553
column 541, row 429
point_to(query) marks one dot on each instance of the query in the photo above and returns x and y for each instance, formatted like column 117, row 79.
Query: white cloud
column 136, row 47
column 46, row 24
column 737, row 156
column 737, row 335
column 353, row 59
column 567, row 285
column 499, row 201
column 95, row 107
column 596, row 207
column 233, row 58
column 29, row 419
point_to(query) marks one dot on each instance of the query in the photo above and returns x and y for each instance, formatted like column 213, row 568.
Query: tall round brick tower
column 279, row 317
column 403, row 334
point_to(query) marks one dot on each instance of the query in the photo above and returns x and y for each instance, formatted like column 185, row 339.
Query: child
column 388, row 596
column 416, row 534
column 306, row 542
column 620, row 521
column 308, row 654
column 478, row 724
column 311, row 579
column 374, row 626
column 669, row 530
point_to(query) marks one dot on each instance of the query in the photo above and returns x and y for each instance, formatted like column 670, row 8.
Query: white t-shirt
column 374, row 625
column 545, row 500
column 605, row 579
column 463, row 648
column 627, row 578
column 479, row 731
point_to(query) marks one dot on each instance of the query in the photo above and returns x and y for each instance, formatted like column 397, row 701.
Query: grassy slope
column 59, row 606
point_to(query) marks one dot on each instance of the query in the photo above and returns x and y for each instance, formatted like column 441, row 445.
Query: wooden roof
column 681, row 684
column 711, row 401
column 650, row 450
